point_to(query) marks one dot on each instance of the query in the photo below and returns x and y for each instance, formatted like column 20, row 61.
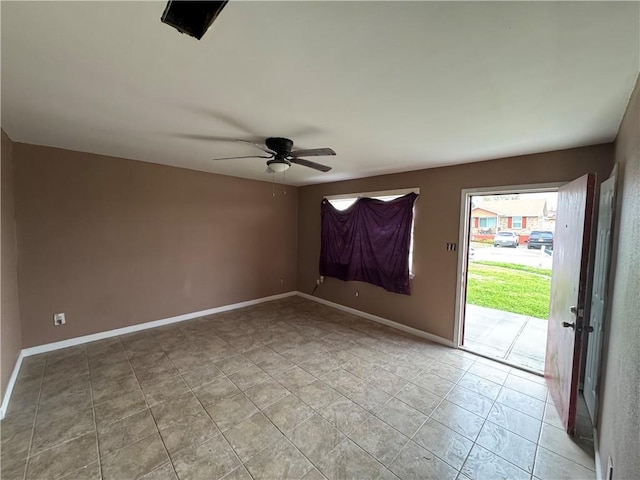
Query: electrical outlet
column 58, row 319
column 321, row 278
column 357, row 293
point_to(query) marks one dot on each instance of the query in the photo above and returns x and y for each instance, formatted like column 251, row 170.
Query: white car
column 505, row 239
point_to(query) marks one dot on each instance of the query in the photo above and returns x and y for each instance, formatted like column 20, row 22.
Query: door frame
column 463, row 240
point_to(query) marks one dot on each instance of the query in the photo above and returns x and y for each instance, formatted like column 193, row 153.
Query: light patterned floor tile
column 279, row 460
column 515, row 421
column 402, row 417
column 448, row 445
column 348, row 460
column 288, row 413
column 551, row 466
column 458, row 419
column 267, row 374
column 379, row 439
column 316, row 437
column 485, row 465
column 513, row 448
column 416, row 463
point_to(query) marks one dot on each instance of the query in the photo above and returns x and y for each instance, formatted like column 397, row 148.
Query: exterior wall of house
column 549, row 224
column 477, row 230
column 480, row 213
column 533, row 223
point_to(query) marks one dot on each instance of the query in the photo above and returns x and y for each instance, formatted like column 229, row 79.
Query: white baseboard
column 384, row 321
column 49, row 347
column 10, row 385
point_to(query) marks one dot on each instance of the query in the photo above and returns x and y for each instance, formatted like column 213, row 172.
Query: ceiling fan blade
column 233, row 158
column 214, row 138
column 209, row 138
column 257, row 145
column 223, row 118
column 310, row 164
column 313, row 152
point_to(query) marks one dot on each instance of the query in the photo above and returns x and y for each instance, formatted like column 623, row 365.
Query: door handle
column 572, row 325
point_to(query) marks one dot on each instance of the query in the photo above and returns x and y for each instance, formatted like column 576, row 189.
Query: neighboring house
column 518, row 215
column 550, row 221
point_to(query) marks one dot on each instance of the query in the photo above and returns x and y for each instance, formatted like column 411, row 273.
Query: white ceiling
column 390, row 86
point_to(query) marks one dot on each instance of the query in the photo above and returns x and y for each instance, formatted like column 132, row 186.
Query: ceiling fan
column 281, row 154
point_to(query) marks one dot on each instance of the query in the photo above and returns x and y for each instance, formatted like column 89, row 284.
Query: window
column 342, row 202
column 516, row 222
column 487, row 222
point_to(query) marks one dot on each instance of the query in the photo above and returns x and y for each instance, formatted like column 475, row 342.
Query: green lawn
column 509, row 287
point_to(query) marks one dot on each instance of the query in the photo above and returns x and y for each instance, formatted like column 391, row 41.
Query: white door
column 599, row 293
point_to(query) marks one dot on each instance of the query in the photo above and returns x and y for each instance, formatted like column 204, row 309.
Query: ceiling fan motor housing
column 280, row 145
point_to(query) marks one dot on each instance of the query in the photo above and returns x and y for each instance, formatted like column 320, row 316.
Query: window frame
column 513, row 222
column 486, row 221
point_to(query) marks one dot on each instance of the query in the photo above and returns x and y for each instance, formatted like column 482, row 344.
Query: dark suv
column 539, row 239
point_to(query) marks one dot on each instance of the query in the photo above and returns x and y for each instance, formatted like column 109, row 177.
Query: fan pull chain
column 273, row 183
column 284, row 180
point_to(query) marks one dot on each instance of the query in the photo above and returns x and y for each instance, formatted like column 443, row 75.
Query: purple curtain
column 369, row 242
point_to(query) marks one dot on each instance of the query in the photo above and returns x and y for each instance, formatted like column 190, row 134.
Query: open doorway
column 505, row 298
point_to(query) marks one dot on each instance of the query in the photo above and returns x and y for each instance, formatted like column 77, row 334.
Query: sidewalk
column 515, row 338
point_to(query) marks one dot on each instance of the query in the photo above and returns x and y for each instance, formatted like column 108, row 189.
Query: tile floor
column 286, row 389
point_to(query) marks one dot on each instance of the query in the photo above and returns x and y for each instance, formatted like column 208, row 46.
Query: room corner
column 10, row 327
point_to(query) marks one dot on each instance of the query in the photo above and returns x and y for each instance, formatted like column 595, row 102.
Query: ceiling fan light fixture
column 277, row 166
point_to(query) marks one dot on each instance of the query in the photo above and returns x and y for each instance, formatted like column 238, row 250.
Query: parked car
column 505, row 239
column 539, row 239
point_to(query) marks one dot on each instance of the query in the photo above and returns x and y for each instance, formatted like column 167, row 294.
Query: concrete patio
column 517, row 339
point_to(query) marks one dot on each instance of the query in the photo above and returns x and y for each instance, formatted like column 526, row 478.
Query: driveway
column 520, row 255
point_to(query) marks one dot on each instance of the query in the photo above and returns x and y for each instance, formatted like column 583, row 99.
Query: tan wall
column 619, row 418
column 11, row 342
column 114, row 242
column 431, row 306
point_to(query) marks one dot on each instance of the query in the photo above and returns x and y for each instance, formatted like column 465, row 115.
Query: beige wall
column 619, row 419
column 431, row 306
column 114, row 242
column 11, row 342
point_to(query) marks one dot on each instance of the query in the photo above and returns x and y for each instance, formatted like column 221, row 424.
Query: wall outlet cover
column 58, row 319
